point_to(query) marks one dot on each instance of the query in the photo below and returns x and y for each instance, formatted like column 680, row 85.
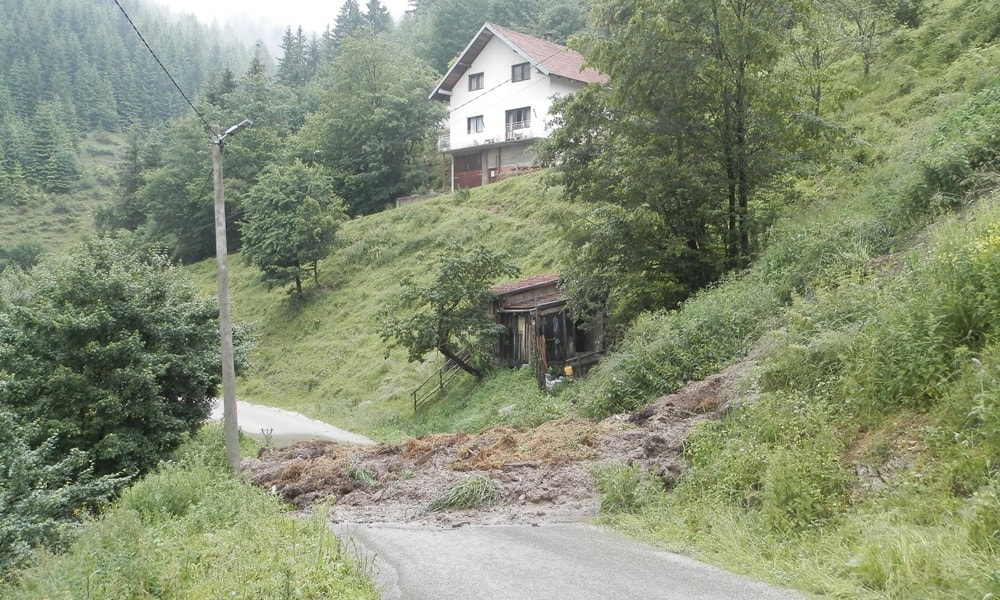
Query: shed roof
column 525, row 284
column 532, row 303
column 548, row 57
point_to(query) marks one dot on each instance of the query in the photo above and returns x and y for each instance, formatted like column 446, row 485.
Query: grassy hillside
column 56, row 222
column 321, row 354
column 858, row 459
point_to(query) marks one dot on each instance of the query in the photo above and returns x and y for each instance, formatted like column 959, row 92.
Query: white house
column 499, row 92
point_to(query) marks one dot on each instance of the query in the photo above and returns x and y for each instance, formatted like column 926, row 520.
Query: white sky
column 312, row 15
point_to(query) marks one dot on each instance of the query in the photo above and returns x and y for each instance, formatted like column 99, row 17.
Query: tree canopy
column 451, row 313
column 373, row 123
column 290, row 220
column 695, row 127
column 110, row 350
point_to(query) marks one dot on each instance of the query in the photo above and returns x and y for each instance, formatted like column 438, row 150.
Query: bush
column 111, row 350
column 43, row 493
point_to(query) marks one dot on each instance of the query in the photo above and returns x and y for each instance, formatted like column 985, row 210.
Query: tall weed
column 664, row 350
column 779, row 454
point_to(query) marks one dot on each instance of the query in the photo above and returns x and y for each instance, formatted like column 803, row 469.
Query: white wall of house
column 500, row 95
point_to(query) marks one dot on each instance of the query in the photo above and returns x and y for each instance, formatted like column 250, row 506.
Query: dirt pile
column 543, row 474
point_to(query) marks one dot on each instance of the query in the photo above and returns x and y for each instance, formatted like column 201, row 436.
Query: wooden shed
column 540, row 329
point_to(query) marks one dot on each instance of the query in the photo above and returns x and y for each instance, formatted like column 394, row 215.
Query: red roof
column 525, row 284
column 550, row 58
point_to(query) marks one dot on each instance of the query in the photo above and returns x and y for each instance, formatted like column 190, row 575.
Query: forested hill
column 74, row 66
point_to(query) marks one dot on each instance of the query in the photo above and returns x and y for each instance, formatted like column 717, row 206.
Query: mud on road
column 544, row 474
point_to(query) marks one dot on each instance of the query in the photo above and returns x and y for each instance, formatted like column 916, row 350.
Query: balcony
column 518, row 130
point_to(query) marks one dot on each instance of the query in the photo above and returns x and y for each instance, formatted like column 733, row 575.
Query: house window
column 475, row 82
column 476, row 124
column 519, row 118
column 521, row 72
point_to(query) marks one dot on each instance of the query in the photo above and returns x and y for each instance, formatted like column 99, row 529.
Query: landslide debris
column 543, row 474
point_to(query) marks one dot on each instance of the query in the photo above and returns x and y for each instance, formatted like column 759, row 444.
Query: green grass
column 475, row 491
column 191, row 530
column 57, row 222
column 320, row 354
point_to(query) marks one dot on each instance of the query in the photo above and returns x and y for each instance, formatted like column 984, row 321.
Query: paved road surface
column 570, row 561
column 284, row 426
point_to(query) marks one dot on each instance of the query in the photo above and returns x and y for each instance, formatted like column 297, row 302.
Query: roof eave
column 439, row 90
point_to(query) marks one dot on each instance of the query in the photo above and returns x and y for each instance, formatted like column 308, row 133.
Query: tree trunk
column 477, row 373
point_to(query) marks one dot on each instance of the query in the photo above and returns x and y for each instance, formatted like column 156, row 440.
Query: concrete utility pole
column 231, row 428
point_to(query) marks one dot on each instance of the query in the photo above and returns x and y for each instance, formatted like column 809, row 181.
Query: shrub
column 43, row 493
column 110, row 350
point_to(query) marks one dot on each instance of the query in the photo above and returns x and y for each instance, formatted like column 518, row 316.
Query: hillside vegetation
column 320, row 353
column 859, row 457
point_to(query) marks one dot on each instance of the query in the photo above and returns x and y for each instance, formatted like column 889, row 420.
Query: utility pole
column 231, row 428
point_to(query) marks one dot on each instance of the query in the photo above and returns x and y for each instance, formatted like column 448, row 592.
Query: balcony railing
column 518, row 130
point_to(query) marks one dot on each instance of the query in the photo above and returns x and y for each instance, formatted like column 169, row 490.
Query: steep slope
column 321, row 355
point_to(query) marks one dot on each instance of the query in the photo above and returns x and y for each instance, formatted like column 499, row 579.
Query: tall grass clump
column 625, row 488
column 190, row 530
column 475, row 491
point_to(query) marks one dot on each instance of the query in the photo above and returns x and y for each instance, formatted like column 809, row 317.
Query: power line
column 159, row 62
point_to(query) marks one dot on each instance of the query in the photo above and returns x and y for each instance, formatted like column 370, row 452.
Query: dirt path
column 543, row 474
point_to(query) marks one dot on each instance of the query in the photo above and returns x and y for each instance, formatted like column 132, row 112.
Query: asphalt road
column 282, row 427
column 524, row 562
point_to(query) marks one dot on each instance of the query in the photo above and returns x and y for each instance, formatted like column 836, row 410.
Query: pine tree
column 378, row 16
column 349, row 21
column 293, row 68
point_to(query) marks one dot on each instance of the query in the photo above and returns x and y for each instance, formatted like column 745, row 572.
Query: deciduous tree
column 290, row 221
column 695, row 125
column 450, row 314
column 373, row 123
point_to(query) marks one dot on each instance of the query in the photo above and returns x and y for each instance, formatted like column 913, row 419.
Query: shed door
column 468, row 171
